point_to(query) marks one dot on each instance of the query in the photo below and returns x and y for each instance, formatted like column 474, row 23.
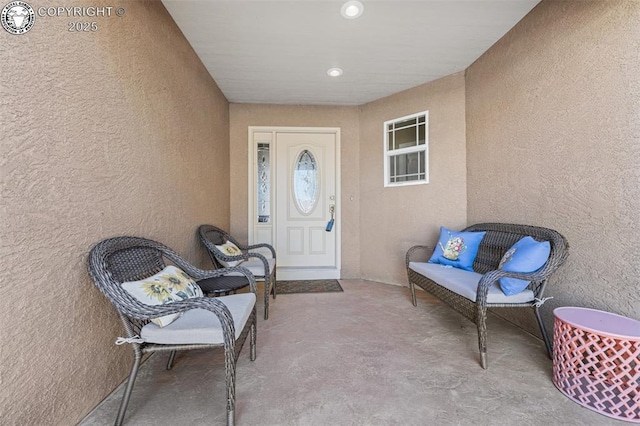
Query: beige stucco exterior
column 396, row 218
column 120, row 131
column 123, row 131
column 553, row 139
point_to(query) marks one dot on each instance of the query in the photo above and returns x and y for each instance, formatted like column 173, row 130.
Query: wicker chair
column 498, row 239
column 259, row 265
column 116, row 260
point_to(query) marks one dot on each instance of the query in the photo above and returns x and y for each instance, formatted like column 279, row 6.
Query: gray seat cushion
column 200, row 326
column 465, row 283
column 257, row 267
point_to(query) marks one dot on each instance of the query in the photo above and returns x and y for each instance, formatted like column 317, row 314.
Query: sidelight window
column 264, row 183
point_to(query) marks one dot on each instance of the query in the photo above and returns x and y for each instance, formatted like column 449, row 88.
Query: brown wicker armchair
column 498, row 239
column 226, row 323
column 259, row 265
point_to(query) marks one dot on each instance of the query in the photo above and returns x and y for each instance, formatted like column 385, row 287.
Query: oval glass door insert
column 306, row 182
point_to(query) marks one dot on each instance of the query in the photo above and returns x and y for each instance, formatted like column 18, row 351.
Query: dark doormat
column 308, row 286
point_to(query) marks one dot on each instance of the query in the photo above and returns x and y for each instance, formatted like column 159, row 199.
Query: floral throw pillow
column 229, row 249
column 169, row 285
column 457, row 249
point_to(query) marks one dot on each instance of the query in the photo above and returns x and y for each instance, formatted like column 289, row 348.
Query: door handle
column 332, row 210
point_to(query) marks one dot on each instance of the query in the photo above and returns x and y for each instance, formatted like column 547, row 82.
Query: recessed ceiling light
column 334, row 72
column 352, row 9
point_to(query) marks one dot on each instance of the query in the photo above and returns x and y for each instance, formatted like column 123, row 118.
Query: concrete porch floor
column 363, row 357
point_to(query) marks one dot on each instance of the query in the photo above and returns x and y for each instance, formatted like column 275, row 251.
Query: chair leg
column 543, row 331
column 413, row 293
column 252, row 342
column 127, row 391
column 481, row 322
column 172, row 357
column 230, row 367
column 267, row 290
column 273, row 279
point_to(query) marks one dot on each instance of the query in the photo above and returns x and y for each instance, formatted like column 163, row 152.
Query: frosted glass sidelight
column 306, row 182
column 264, row 183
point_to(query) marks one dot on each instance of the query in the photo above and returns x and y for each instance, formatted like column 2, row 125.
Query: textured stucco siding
column 396, row 218
column 553, row 128
column 113, row 132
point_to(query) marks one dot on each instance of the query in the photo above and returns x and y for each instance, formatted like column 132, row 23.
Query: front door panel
column 306, row 190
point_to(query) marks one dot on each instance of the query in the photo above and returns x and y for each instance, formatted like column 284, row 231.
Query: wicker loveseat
column 474, row 302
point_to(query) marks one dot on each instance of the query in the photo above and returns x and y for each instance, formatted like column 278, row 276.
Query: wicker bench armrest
column 264, row 260
column 412, row 253
column 244, row 256
column 246, row 248
column 247, row 256
column 492, row 276
column 226, row 258
column 261, row 245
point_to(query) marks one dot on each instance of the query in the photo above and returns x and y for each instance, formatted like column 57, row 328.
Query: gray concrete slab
column 363, row 357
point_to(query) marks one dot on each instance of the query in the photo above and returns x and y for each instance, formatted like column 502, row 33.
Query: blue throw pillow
column 527, row 255
column 457, row 249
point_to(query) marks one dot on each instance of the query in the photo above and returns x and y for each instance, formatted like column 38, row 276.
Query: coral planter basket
column 596, row 361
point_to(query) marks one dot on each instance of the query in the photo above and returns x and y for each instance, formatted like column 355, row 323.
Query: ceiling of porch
column 279, row 51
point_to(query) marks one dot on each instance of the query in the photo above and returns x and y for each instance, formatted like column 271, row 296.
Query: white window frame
column 417, row 148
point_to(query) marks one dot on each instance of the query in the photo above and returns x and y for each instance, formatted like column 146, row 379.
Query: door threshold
column 311, row 273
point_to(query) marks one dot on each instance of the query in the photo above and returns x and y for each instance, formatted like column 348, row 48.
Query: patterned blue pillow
column 457, row 249
column 527, row 255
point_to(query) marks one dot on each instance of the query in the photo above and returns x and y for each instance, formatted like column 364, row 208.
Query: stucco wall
column 346, row 118
column 394, row 219
column 553, row 125
column 118, row 131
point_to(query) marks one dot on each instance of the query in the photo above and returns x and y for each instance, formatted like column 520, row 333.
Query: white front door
column 294, row 183
column 306, row 194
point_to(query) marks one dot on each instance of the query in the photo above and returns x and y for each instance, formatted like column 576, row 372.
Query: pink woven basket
column 596, row 361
